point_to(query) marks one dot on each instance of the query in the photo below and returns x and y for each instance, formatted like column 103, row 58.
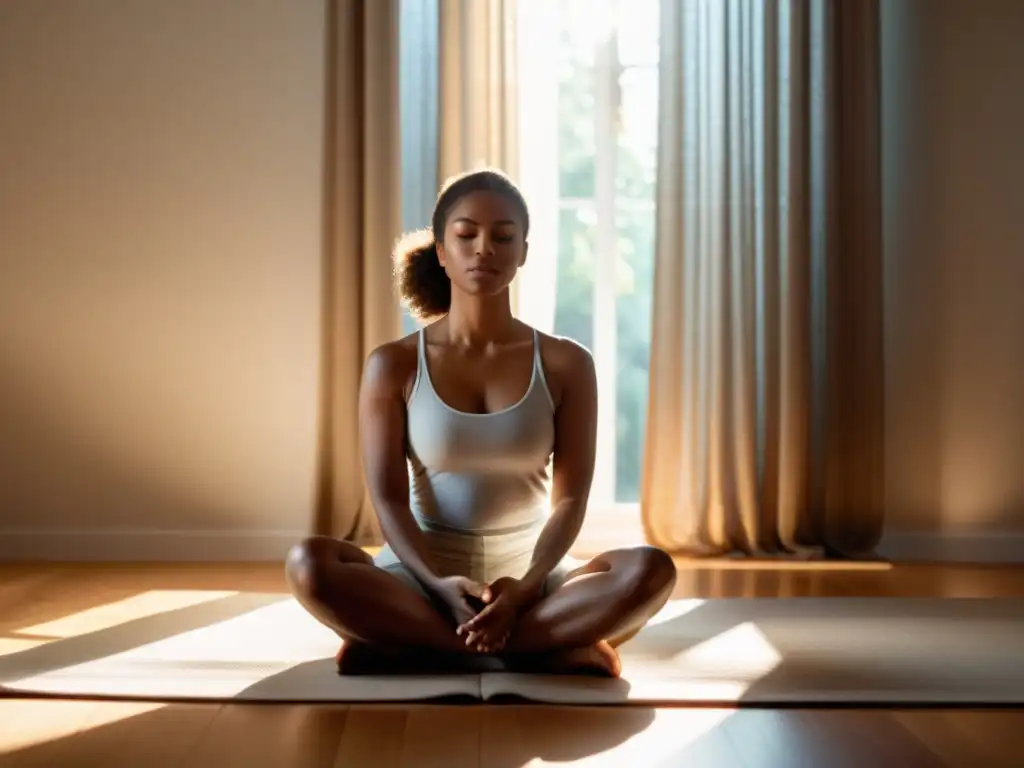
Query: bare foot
column 599, row 659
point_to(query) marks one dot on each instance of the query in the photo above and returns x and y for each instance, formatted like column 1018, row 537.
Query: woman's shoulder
column 560, row 353
column 392, row 365
column 568, row 365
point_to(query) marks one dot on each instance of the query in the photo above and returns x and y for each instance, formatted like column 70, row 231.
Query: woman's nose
column 484, row 245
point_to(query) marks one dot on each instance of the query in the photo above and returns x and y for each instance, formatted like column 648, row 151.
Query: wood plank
column 374, row 735
column 955, row 742
column 34, row 732
column 442, row 737
column 881, row 739
column 617, row 736
column 997, row 734
column 833, row 738
column 503, row 741
column 279, row 736
column 136, row 733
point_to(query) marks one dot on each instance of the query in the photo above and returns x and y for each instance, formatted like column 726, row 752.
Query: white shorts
column 481, row 557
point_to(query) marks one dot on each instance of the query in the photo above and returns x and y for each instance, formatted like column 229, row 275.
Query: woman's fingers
column 478, row 640
column 488, row 641
column 496, row 646
column 480, row 618
column 485, row 632
column 473, row 588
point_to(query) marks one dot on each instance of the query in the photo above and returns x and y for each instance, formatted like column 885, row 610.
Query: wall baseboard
column 983, row 547
column 991, row 547
column 147, row 546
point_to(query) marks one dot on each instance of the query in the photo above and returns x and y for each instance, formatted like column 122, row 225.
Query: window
column 586, row 135
column 587, row 154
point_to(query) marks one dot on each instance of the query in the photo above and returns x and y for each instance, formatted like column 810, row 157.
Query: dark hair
column 423, row 284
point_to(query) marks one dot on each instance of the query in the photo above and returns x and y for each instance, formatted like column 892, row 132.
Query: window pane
column 630, row 177
column 637, row 27
column 638, row 133
column 574, row 310
column 635, row 273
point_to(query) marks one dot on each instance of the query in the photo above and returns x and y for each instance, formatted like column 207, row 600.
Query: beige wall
column 160, row 242
column 954, row 237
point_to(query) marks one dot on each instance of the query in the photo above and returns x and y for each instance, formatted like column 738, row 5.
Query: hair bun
column 423, row 284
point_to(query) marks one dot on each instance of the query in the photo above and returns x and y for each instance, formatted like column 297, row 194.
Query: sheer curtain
column 477, row 116
column 764, row 430
column 362, row 216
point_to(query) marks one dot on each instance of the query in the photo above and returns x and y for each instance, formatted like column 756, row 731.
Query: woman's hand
column 489, row 630
column 458, row 593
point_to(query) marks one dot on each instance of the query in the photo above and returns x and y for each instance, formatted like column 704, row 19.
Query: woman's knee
column 312, row 563
column 649, row 573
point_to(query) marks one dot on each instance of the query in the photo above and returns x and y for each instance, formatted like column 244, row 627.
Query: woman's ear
column 439, row 247
column 526, row 249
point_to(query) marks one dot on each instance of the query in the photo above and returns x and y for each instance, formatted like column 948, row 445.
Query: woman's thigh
column 388, row 562
column 633, row 567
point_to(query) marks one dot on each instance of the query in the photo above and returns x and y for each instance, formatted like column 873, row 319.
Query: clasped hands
column 486, row 629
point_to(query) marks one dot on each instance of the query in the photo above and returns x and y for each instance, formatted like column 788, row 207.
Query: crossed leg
column 341, row 587
column 600, row 604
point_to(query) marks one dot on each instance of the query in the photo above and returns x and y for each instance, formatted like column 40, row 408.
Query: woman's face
column 483, row 245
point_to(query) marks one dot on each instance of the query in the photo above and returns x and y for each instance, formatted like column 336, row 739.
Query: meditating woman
column 459, row 425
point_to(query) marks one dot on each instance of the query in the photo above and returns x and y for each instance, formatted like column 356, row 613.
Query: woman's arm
column 382, row 415
column 573, row 461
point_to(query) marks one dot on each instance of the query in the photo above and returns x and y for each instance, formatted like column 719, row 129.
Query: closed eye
column 497, row 238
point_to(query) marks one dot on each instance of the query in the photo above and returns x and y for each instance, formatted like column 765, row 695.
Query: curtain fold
column 362, row 218
column 478, row 86
column 765, row 414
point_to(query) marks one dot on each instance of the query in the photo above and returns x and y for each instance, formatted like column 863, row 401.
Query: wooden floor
column 63, row 600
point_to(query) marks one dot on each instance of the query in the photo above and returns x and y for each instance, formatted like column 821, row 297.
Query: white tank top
column 479, row 472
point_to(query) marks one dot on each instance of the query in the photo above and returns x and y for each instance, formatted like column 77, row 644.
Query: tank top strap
column 421, row 362
column 421, row 349
column 538, row 369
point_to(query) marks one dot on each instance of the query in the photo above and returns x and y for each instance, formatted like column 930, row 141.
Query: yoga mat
column 257, row 647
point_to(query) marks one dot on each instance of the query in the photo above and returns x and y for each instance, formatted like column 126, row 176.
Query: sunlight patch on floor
column 121, row 611
column 219, row 659
column 742, row 653
column 25, row 724
column 9, row 645
column 673, row 610
column 667, row 738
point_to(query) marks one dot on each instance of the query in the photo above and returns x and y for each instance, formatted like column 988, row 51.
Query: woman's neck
column 475, row 321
